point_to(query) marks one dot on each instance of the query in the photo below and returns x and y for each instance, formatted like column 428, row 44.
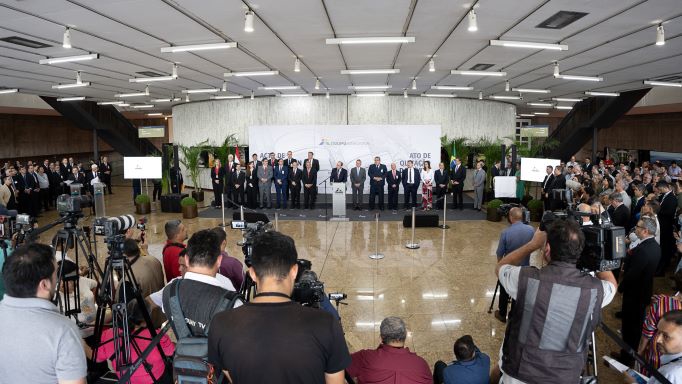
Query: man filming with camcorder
column 557, row 307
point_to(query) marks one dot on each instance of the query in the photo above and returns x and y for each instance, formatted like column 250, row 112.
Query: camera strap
column 272, row 294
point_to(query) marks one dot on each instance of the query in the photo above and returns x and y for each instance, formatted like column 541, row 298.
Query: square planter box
column 171, row 202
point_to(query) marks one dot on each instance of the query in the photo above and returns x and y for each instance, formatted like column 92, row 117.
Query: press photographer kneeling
column 546, row 340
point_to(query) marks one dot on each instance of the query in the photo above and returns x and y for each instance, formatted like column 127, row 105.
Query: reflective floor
column 442, row 289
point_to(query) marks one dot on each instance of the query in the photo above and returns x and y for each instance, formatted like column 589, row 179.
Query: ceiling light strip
column 251, row 74
column 452, row 88
column 369, row 71
column 371, row 40
column 528, row 44
column 198, row 47
column 68, row 59
column 477, row 73
column 530, row 90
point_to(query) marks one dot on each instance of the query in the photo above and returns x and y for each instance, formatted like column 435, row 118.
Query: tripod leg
column 492, row 302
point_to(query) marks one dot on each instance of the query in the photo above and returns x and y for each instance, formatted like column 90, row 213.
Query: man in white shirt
column 669, row 342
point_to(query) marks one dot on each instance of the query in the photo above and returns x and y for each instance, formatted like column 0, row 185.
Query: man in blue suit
column 411, row 180
column 377, row 180
column 393, row 180
column 281, row 176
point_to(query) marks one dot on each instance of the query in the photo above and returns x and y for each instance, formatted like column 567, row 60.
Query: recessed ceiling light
column 74, row 98
column 251, row 74
column 563, row 107
column 371, row 40
column 548, row 105
column 477, row 73
column 198, row 47
column 541, row 113
column 528, row 44
column 142, row 106
column 438, row 95
column 24, row 42
column 248, row 21
column 610, row 94
column 201, row 90
column 280, row 88
column 481, row 67
column 224, row 97
column 370, row 94
column 567, row 99
column 68, row 59
column 530, row 90
column 561, row 19
column 505, row 97
column 662, row 83
column 369, row 71
column 452, row 88
column 365, row 87
column 579, row 78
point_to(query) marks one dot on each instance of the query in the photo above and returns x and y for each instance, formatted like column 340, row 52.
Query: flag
column 453, row 155
column 236, row 154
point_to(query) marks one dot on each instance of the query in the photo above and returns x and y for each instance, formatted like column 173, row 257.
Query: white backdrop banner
column 347, row 143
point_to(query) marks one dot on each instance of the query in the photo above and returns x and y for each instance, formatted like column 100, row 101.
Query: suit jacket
column 496, row 171
column 218, row 176
column 620, row 216
column 377, row 171
column 441, row 177
column 265, row 174
column 238, row 178
column 64, row 171
column 281, row 174
column 5, row 195
column 356, row 178
column 406, row 177
column 668, row 207
column 315, row 166
column 558, row 183
column 458, row 175
column 295, row 176
column 547, row 183
column 78, row 178
column 24, row 182
column 339, row 177
column 89, row 177
column 393, row 181
column 105, row 167
column 638, row 272
column 288, row 162
column 479, row 178
column 309, row 178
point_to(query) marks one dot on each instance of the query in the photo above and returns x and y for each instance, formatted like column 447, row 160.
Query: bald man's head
column 515, row 214
column 584, row 208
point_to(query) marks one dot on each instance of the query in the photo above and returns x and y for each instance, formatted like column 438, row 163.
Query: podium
column 338, row 202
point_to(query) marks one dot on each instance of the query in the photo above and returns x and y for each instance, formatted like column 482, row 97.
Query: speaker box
column 421, row 220
column 251, row 217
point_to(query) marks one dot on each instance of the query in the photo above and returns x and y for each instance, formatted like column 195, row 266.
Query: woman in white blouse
column 427, row 186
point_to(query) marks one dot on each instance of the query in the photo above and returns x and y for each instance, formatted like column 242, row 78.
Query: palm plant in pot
column 143, row 205
column 191, row 157
column 189, row 208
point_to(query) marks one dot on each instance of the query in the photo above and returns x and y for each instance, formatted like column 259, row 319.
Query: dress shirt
column 389, row 365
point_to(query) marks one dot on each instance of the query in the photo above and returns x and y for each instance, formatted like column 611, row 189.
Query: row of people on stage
column 33, row 187
column 252, row 186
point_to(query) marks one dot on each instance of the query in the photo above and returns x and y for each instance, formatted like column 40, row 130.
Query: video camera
column 113, row 229
column 504, row 209
column 604, row 243
column 21, row 225
column 251, row 230
column 308, row 290
column 72, row 205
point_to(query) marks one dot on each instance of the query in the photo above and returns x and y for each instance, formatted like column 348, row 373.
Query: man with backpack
column 191, row 303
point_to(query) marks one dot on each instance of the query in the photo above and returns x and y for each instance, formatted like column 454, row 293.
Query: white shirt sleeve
column 509, row 279
column 609, row 293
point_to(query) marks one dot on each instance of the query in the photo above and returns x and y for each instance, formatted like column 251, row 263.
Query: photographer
column 39, row 345
column 247, row 343
column 554, row 301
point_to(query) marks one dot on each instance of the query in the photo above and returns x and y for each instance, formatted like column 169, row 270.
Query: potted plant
column 536, row 209
column 143, row 205
column 191, row 157
column 189, row 208
column 492, row 207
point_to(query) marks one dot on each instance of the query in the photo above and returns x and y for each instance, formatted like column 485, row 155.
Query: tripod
column 118, row 265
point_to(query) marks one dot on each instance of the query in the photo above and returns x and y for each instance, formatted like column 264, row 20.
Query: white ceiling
column 615, row 40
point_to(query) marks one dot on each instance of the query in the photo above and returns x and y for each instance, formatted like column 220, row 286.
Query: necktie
column 394, row 174
column 410, row 179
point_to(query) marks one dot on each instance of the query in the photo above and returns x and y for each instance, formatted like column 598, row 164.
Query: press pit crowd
column 550, row 312
column 33, row 187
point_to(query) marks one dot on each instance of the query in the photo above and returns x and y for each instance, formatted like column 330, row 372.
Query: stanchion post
column 445, row 212
column 277, row 221
column 412, row 244
column 376, row 255
column 222, row 208
column 241, row 212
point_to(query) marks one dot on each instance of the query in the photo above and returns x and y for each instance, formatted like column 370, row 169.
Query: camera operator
column 147, row 270
column 176, row 234
column 39, row 345
column 514, row 236
column 554, row 301
column 247, row 343
column 637, row 283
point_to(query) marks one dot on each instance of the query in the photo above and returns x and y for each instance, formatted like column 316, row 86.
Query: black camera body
column 504, row 209
column 70, row 205
column 604, row 244
column 250, row 231
column 112, row 229
column 308, row 290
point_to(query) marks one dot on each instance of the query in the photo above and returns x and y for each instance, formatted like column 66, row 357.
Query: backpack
column 190, row 363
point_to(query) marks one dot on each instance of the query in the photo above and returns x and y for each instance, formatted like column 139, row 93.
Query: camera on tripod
column 72, row 205
column 308, row 290
column 604, row 243
column 250, row 231
column 504, row 209
column 113, row 229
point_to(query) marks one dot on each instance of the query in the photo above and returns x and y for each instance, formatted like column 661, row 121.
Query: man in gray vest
column 557, row 308
column 264, row 183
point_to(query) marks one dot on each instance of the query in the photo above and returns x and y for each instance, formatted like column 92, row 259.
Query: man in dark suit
column 64, row 169
column 316, row 164
column 105, row 170
column 547, row 186
column 288, row 162
column 411, row 179
column 557, row 190
column 175, row 179
column 637, row 283
column 619, row 212
column 24, row 185
column 309, row 181
column 94, row 176
column 339, row 174
column 55, row 179
column 666, row 218
column 295, row 176
column 281, row 177
column 377, row 181
column 393, row 178
column 218, row 183
column 440, row 183
column 496, row 171
column 237, row 179
column 457, row 175
column 34, row 209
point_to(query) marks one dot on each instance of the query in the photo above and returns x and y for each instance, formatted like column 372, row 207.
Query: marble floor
column 442, row 290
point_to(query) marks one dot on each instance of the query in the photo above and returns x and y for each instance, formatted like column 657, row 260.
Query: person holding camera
column 557, row 308
column 247, row 343
column 39, row 344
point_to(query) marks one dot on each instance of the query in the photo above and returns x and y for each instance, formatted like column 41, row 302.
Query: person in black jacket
column 637, row 283
column 558, row 185
column 105, row 171
column 251, row 186
column 315, row 163
column 666, row 217
column 441, row 179
column 309, row 181
column 619, row 212
column 547, row 185
column 237, row 180
column 393, row 178
column 218, row 183
column 295, row 176
column 457, row 175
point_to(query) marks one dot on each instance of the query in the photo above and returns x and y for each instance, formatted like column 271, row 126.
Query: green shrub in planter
column 495, row 203
column 536, row 208
column 188, row 201
column 535, row 204
column 142, row 199
column 492, row 210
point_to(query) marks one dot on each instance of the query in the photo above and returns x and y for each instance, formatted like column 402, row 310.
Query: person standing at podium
column 393, row 180
column 217, row 181
column 377, row 174
column 339, row 174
